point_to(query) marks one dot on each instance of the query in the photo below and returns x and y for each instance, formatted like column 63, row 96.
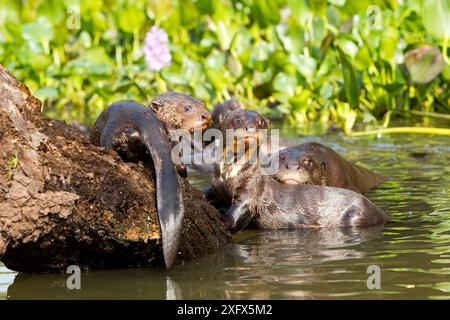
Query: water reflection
column 246, row 269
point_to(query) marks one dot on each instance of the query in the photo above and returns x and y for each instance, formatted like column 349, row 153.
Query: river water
column 412, row 250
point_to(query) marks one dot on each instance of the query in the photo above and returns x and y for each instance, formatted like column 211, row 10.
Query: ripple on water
column 412, row 250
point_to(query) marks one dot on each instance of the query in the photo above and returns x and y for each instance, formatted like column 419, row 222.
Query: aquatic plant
column 314, row 64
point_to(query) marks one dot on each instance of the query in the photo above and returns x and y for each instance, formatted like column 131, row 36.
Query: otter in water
column 259, row 199
column 222, row 109
column 248, row 125
column 218, row 114
column 314, row 163
column 133, row 131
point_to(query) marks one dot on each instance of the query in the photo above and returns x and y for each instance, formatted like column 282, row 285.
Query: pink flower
column 156, row 50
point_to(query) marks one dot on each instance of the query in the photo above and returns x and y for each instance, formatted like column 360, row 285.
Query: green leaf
column 45, row 93
column 266, row 12
column 351, row 87
column 204, row 6
column 300, row 102
column 388, row 44
column 159, row 10
column 131, row 19
column 260, row 55
column 173, row 78
column 52, row 11
column 436, row 17
column 234, row 65
column 319, row 29
column 40, row 61
column 424, row 64
column 12, row 31
column 94, row 61
column 299, row 10
column 37, row 32
column 189, row 14
column 292, row 37
column 363, row 59
column 204, row 91
column 319, row 7
column 10, row 21
column 347, row 45
column 223, row 34
column 216, row 60
column 305, row 65
column 326, row 91
column 285, row 83
column 338, row 3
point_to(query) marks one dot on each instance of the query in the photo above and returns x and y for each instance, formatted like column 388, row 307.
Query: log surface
column 64, row 201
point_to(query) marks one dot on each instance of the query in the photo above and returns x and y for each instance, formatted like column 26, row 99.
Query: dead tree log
column 64, row 201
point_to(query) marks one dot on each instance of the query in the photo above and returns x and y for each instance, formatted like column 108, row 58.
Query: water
column 412, row 250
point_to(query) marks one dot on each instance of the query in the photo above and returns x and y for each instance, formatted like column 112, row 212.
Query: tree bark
column 65, row 202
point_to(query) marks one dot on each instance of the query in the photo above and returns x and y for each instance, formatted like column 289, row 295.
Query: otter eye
column 282, row 156
column 187, row 109
column 237, row 121
column 260, row 123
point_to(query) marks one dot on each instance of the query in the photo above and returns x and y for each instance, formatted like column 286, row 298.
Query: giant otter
column 181, row 112
column 218, row 114
column 314, row 163
column 247, row 125
column 177, row 112
column 133, row 130
column 268, row 204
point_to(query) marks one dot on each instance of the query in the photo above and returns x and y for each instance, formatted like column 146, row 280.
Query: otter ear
column 155, row 105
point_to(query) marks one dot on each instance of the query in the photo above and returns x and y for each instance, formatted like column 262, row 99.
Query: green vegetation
column 313, row 63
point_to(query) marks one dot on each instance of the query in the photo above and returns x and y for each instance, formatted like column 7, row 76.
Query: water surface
column 412, row 250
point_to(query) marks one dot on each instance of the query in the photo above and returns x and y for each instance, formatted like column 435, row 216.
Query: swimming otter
column 314, row 163
column 218, row 114
column 268, row 204
column 247, row 125
column 133, row 130
column 222, row 109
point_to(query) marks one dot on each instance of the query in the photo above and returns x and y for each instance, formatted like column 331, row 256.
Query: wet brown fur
column 260, row 200
column 314, row 163
column 222, row 109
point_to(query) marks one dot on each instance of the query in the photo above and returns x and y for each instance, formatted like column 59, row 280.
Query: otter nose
column 251, row 128
column 206, row 117
column 291, row 164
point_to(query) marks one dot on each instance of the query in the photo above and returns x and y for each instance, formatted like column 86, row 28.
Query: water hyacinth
column 424, row 63
column 156, row 50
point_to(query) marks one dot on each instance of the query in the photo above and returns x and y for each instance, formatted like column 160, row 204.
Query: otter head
column 181, row 111
column 246, row 126
column 297, row 166
column 221, row 110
